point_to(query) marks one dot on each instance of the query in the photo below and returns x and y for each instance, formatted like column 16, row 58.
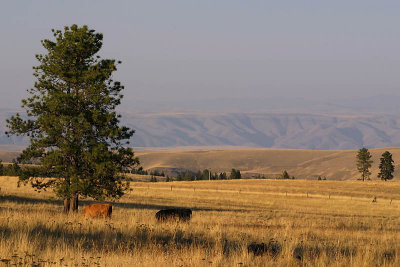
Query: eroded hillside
column 293, row 131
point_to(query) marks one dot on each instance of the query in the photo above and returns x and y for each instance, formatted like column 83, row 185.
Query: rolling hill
column 304, row 164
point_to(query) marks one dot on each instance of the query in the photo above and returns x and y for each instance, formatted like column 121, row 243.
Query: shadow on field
column 125, row 205
column 110, row 239
column 159, row 207
column 28, row 200
column 5, row 232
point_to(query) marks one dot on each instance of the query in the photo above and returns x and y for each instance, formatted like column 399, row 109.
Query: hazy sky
column 180, row 50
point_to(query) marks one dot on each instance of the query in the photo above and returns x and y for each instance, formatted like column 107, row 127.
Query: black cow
column 174, row 214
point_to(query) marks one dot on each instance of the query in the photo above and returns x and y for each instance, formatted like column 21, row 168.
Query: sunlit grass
column 336, row 224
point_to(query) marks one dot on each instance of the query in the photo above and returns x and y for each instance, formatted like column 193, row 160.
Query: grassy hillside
column 309, row 223
column 8, row 156
column 305, row 164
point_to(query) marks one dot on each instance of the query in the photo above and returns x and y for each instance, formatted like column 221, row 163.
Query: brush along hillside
column 304, row 164
column 300, row 223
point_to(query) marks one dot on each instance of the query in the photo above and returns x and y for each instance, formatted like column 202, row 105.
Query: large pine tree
column 75, row 133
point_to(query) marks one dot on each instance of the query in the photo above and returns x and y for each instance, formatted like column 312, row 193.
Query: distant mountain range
column 266, row 130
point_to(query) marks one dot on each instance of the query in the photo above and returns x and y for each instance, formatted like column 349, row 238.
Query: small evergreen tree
column 235, row 174
column 285, row 175
column 140, row 171
column 180, row 177
column 189, row 176
column 199, row 175
column 364, row 162
column 206, row 174
column 223, row 176
column 155, row 173
column 386, row 166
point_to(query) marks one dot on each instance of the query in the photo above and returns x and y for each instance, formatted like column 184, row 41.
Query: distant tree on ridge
column 364, row 162
column 285, row 175
column 386, row 166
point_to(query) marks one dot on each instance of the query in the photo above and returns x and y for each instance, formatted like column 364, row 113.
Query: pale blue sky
column 181, row 50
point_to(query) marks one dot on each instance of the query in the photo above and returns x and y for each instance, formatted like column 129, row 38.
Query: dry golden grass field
column 305, row 223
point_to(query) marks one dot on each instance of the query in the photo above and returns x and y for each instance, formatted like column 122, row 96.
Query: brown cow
column 98, row 210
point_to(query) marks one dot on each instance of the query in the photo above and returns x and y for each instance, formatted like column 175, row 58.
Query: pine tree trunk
column 66, row 205
column 74, row 203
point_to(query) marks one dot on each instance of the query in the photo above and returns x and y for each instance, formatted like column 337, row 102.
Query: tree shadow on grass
column 29, row 200
column 125, row 205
